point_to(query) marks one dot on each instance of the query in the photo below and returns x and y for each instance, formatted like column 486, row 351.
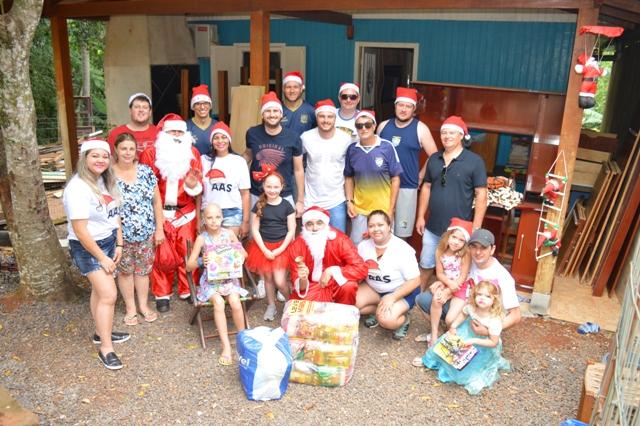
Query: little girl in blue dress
column 219, row 290
column 485, row 307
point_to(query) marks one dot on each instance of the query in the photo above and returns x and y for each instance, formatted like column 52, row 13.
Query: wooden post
column 569, row 138
column 223, row 96
column 259, row 45
column 184, row 93
column 64, row 93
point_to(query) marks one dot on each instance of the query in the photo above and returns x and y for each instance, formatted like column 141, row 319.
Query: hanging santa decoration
column 589, row 67
column 552, row 188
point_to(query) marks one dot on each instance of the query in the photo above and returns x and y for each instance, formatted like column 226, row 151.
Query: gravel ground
column 48, row 363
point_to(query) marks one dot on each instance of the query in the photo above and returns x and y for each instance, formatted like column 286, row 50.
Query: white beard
column 317, row 243
column 173, row 159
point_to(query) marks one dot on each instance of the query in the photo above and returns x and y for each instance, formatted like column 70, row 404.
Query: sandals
column 149, row 316
column 131, row 319
column 417, row 362
column 424, row 337
column 371, row 321
column 402, row 331
column 224, row 361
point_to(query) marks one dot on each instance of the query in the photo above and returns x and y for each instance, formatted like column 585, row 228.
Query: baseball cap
column 483, row 237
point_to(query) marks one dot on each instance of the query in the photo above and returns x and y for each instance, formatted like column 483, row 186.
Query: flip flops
column 424, row 337
column 417, row 362
column 131, row 319
column 588, row 327
column 224, row 361
column 149, row 316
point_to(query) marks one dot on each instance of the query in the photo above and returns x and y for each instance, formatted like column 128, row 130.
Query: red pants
column 162, row 282
column 345, row 294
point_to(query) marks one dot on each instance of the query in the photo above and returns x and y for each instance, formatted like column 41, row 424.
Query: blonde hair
column 108, row 177
column 493, row 289
column 444, row 244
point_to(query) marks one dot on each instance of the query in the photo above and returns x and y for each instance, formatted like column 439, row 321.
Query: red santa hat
column 293, row 77
column 315, row 213
column 345, row 86
column 95, row 144
column 172, row 121
column 408, row 95
column 270, row 100
column 463, row 226
column 138, row 95
column 455, row 123
column 221, row 128
column 367, row 113
column 200, row 94
column 325, row 105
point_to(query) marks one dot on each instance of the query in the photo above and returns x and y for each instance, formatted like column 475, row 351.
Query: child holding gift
column 485, row 307
column 219, row 290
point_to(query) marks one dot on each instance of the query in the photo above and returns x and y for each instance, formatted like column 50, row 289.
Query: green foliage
column 81, row 33
column 592, row 118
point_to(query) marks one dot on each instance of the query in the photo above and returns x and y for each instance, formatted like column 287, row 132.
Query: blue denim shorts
column 231, row 217
column 85, row 260
column 409, row 299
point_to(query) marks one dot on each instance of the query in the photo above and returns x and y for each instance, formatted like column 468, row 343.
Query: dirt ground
column 48, row 363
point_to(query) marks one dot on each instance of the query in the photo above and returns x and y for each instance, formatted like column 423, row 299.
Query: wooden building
column 520, row 54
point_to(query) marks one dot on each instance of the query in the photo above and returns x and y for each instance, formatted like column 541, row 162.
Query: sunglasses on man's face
column 367, row 125
column 351, row 97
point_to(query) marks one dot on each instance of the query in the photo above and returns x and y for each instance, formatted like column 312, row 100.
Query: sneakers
column 162, row 305
column 402, row 331
column 110, row 360
column 270, row 313
column 116, row 337
column 370, row 321
column 280, row 297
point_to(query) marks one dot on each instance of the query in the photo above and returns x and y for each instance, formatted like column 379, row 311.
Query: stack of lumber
column 594, row 233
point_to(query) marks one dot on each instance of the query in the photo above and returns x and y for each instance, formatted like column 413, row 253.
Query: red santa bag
column 167, row 259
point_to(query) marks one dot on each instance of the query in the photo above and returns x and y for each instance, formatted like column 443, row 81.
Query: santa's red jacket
column 348, row 268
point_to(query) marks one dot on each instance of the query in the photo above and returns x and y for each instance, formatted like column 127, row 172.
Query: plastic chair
column 200, row 318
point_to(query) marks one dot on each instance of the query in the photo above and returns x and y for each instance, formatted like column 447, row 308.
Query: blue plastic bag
column 265, row 362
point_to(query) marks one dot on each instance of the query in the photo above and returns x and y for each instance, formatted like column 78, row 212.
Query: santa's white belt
column 179, row 221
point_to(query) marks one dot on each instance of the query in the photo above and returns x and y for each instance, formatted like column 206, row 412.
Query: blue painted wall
column 524, row 55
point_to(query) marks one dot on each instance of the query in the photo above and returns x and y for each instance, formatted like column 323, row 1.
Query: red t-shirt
column 144, row 139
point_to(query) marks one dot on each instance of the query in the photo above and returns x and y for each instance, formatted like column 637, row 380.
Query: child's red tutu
column 257, row 263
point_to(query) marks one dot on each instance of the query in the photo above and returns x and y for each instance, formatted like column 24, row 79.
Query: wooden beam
column 627, row 5
column 199, row 7
column 259, row 45
column 623, row 15
column 569, row 138
column 184, row 93
column 64, row 93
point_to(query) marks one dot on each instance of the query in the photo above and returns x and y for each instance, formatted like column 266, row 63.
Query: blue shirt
column 277, row 150
column 300, row 120
column 372, row 169
column 136, row 211
column 407, row 144
column 201, row 136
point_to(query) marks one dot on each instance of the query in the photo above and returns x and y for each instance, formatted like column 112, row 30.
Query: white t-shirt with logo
column 497, row 274
column 347, row 126
column 223, row 179
column 397, row 265
column 80, row 202
column 324, row 175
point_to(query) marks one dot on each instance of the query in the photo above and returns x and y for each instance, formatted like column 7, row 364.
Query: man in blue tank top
column 408, row 135
column 298, row 115
column 201, row 123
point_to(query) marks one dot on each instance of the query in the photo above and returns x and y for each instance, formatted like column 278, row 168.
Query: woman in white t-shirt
column 91, row 202
column 393, row 279
column 226, row 181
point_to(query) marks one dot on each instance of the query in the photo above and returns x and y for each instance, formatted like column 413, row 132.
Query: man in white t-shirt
column 326, row 149
column 484, row 267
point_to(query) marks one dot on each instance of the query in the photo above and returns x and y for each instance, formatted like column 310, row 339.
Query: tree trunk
column 44, row 269
column 86, row 71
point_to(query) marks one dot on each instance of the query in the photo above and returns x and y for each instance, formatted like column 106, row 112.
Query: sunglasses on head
column 367, row 125
column 351, row 97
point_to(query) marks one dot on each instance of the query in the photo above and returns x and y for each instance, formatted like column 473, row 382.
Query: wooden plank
column 64, row 93
column 184, row 93
column 626, row 5
column 223, row 95
column 569, row 137
column 626, row 206
column 325, row 16
column 198, row 7
column 245, row 113
column 573, row 228
column 259, row 45
column 593, row 155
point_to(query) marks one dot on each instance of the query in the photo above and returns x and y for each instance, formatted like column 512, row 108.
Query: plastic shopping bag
column 265, row 362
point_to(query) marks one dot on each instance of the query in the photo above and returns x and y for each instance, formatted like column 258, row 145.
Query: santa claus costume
column 591, row 71
column 172, row 159
column 326, row 249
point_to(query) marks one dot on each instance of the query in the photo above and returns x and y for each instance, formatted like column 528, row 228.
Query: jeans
column 338, row 216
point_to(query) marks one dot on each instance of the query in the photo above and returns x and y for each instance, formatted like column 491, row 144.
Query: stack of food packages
column 324, row 341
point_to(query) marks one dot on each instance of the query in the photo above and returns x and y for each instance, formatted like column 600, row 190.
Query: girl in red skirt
column 273, row 227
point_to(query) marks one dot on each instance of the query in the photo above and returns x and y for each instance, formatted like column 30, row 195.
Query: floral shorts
column 137, row 257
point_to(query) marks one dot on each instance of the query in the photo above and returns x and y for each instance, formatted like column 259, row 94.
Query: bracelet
column 350, row 201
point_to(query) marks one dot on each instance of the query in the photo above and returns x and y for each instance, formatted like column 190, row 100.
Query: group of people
column 181, row 181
